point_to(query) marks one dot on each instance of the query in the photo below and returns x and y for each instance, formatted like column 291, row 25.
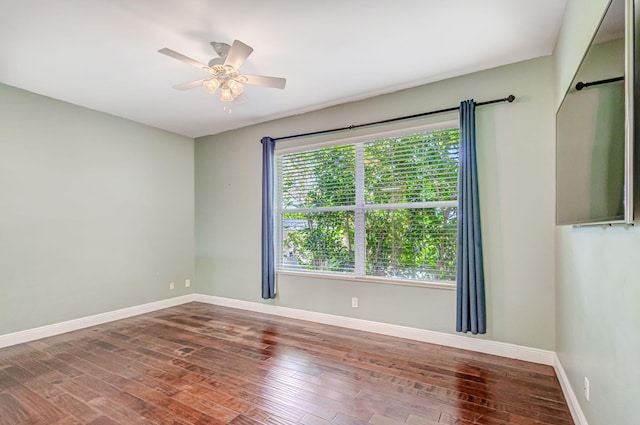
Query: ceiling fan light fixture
column 236, row 87
column 225, row 94
column 211, row 85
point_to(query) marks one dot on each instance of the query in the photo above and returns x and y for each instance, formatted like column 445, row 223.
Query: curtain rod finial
column 511, row 98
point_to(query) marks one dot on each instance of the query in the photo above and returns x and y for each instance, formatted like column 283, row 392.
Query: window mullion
column 360, row 237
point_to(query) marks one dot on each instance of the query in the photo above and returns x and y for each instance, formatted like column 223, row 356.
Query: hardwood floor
column 203, row 364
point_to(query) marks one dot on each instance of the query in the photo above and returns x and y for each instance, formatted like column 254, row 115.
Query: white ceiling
column 102, row 54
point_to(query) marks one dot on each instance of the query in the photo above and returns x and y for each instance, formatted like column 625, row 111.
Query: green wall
column 96, row 212
column 597, row 285
column 516, row 174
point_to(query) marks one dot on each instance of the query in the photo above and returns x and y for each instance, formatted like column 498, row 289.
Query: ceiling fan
column 224, row 71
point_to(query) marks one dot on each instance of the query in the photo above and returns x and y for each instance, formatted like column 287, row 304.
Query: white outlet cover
column 187, row 283
column 172, row 285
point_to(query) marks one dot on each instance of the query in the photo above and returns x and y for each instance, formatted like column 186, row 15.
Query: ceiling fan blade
column 183, row 58
column 238, row 53
column 261, row 80
column 189, row 85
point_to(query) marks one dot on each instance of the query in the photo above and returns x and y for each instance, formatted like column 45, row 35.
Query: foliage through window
column 384, row 208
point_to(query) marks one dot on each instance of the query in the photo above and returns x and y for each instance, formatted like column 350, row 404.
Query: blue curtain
column 268, row 248
column 471, row 311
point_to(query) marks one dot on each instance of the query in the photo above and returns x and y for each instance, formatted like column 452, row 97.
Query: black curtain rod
column 580, row 85
column 509, row 99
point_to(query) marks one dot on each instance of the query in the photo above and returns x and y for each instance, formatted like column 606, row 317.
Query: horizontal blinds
column 318, row 178
column 319, row 241
column 415, row 244
column 407, row 196
column 416, row 168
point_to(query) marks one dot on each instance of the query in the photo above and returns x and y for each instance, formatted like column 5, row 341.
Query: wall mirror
column 595, row 127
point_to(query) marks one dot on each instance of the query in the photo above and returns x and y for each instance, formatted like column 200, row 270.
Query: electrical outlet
column 586, row 388
column 354, row 302
column 187, row 283
column 172, row 285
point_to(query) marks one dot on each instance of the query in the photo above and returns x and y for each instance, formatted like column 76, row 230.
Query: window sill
column 372, row 279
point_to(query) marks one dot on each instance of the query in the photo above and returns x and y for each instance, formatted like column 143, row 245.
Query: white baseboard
column 502, row 349
column 20, row 337
column 572, row 401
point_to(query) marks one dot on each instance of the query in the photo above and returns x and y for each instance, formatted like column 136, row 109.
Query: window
column 382, row 208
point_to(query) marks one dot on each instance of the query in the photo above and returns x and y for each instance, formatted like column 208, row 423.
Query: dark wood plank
column 201, row 364
column 12, row 411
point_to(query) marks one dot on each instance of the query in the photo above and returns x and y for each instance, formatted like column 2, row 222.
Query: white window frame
column 359, row 209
